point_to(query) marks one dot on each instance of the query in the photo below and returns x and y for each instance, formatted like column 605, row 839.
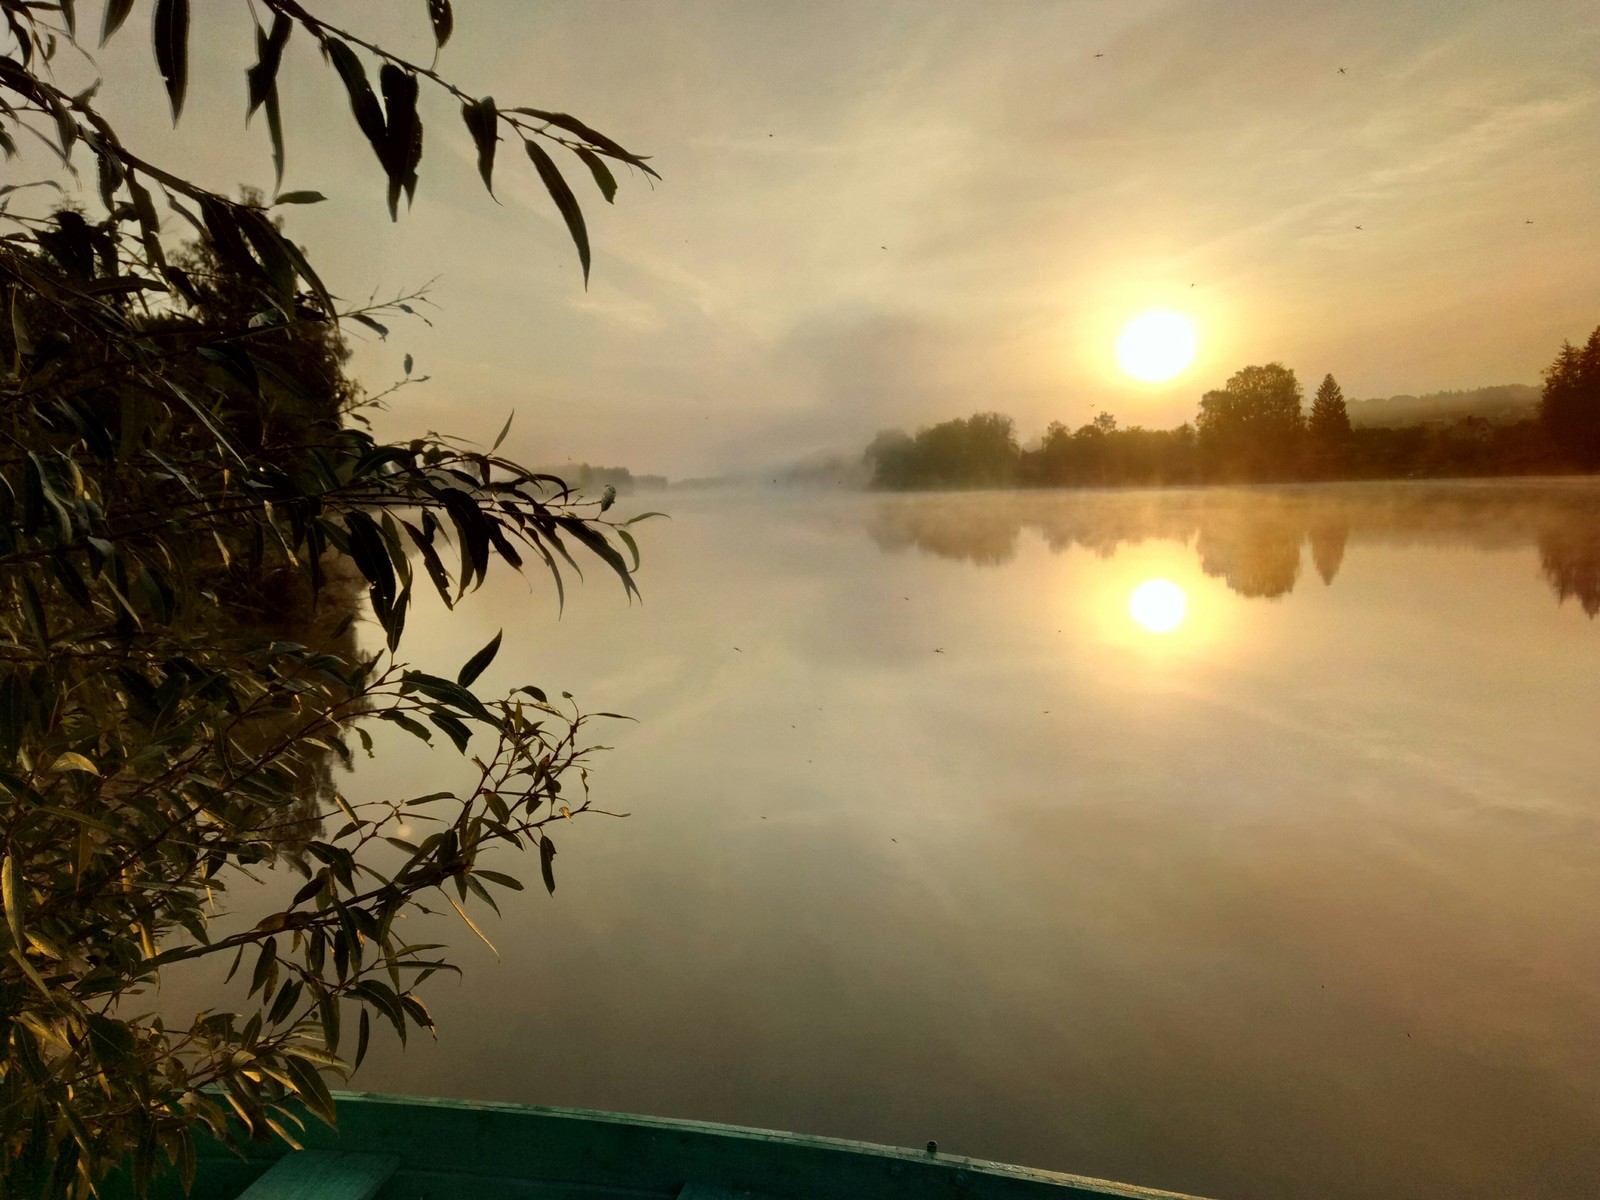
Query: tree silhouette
column 1253, row 427
column 976, row 451
column 1569, row 408
column 1330, row 421
column 1328, row 429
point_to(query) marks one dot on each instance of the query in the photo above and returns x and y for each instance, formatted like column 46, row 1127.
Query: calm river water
column 931, row 838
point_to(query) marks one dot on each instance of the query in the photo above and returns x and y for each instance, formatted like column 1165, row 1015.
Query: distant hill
column 1503, row 404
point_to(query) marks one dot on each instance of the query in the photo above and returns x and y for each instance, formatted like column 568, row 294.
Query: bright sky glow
column 1157, row 345
column 1158, row 605
column 891, row 214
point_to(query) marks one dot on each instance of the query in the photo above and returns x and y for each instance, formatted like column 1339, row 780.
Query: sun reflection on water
column 1158, row 605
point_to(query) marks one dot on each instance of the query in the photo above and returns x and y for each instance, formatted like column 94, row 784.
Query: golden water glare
column 1158, row 605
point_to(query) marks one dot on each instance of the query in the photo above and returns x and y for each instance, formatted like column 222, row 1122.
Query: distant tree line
column 1256, row 429
column 585, row 477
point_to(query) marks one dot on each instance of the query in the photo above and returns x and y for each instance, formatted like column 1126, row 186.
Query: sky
column 891, row 214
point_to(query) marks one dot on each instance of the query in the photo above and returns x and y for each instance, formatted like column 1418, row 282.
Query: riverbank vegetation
column 1257, row 428
column 193, row 514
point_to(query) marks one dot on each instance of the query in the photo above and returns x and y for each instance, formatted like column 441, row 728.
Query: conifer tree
column 1569, row 408
column 1330, row 421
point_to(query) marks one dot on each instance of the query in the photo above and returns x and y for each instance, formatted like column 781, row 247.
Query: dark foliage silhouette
column 191, row 510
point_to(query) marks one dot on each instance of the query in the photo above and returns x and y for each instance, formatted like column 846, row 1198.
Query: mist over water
column 932, row 837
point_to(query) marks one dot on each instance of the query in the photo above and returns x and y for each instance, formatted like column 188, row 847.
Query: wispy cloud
column 891, row 213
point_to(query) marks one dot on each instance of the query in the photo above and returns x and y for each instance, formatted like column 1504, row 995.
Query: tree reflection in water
column 281, row 606
column 1570, row 557
column 1251, row 538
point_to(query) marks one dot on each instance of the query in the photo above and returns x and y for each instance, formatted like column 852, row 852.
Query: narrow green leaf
column 363, row 103
column 227, row 238
column 302, row 268
column 430, row 561
column 603, row 178
column 416, row 1009
column 149, row 223
column 328, row 1008
column 547, row 855
column 446, row 692
column 593, row 136
column 109, row 175
column 311, row 1089
column 479, row 662
column 565, row 202
column 262, row 78
column 300, row 198
column 313, row 1054
column 266, row 963
column 317, row 883
column 288, row 997
column 504, row 429
column 171, row 36
column 116, row 13
column 483, row 121
column 73, row 761
column 453, row 728
column 415, row 728
column 275, row 132
column 362, row 319
column 371, row 555
column 402, row 141
column 11, row 894
column 205, row 418
column 382, row 997
column 507, row 881
column 472, row 925
column 472, row 528
column 33, row 610
column 633, row 547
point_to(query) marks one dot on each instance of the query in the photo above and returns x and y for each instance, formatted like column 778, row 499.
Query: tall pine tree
column 1569, row 408
column 1330, row 422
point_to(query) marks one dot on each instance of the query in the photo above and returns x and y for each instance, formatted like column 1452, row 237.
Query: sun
column 1158, row 605
column 1157, row 345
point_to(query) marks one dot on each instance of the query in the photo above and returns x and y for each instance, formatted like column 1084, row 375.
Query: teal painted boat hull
column 456, row 1150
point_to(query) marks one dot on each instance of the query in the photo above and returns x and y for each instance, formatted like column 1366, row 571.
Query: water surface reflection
column 1254, row 538
column 1296, row 900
